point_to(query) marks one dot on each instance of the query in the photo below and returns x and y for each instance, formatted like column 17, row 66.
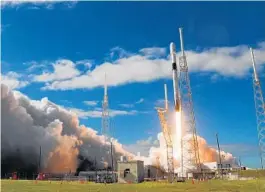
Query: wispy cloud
column 154, row 52
column 142, row 146
column 160, row 102
column 118, row 52
column 13, row 80
column 127, row 105
column 97, row 113
column 140, row 101
column 63, row 69
column 224, row 61
column 64, row 74
column 34, row 65
column 215, row 77
column 90, row 103
column 132, row 104
column 149, row 142
column 37, row 4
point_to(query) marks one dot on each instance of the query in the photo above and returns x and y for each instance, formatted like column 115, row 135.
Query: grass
column 252, row 173
column 211, row 186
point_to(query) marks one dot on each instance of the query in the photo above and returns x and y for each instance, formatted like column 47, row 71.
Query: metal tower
column 220, row 170
column 162, row 114
column 105, row 124
column 189, row 143
column 260, row 111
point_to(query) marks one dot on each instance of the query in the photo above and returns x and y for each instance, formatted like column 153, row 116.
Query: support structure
column 105, row 128
column 260, row 111
column 163, row 114
column 111, row 155
column 189, row 144
column 220, row 159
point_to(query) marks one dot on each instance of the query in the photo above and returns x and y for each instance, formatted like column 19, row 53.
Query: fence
column 100, row 178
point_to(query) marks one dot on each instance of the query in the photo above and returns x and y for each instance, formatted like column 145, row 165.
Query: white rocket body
column 175, row 77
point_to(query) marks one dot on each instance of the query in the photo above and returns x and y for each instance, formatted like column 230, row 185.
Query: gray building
column 153, row 172
column 130, row 171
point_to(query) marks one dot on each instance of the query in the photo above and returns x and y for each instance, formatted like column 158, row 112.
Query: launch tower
column 260, row 111
column 189, row 143
column 107, row 144
column 163, row 117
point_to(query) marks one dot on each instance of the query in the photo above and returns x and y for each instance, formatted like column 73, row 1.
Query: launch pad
column 186, row 134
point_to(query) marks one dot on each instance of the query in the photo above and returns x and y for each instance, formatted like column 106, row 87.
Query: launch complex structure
column 190, row 158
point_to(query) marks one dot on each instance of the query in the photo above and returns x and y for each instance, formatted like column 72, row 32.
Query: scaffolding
column 260, row 111
column 189, row 143
column 108, row 143
column 163, row 114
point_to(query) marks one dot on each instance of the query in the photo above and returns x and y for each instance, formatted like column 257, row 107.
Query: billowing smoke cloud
column 65, row 145
column 28, row 125
column 207, row 154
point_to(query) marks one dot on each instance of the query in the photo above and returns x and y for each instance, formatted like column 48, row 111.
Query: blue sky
column 129, row 41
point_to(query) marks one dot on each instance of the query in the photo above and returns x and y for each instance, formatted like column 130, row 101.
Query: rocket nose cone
column 172, row 47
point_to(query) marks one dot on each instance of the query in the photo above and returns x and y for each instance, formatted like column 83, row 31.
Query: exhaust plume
column 207, row 153
column 65, row 145
column 28, row 125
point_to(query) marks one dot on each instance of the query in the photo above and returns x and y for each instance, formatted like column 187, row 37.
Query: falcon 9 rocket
column 175, row 77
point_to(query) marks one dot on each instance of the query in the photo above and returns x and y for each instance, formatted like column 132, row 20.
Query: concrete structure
column 153, row 172
column 210, row 170
column 130, row 171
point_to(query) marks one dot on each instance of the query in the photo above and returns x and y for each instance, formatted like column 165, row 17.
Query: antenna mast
column 260, row 111
column 189, row 145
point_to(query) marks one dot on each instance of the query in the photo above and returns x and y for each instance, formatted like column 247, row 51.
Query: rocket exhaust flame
column 177, row 136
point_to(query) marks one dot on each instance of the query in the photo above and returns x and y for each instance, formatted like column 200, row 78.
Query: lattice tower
column 260, row 111
column 163, row 114
column 190, row 159
column 105, row 127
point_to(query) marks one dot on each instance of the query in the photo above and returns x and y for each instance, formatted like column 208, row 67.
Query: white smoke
column 207, row 154
column 28, row 125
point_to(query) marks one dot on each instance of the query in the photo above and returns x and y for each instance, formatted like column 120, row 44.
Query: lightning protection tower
column 260, row 111
column 105, row 127
column 163, row 117
column 189, row 144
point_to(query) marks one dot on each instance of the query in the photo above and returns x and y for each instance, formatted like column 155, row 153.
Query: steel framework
column 260, row 111
column 163, row 114
column 105, row 126
column 189, row 143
